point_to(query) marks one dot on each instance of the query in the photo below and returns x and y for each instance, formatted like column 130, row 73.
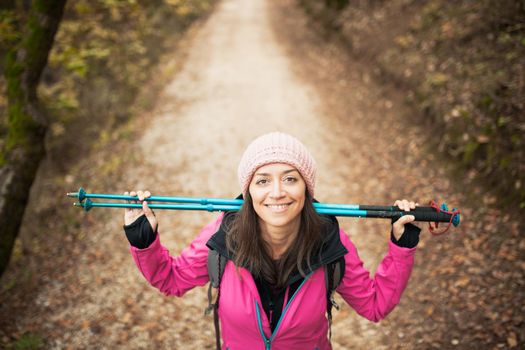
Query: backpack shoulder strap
column 338, row 272
column 216, row 265
column 334, row 273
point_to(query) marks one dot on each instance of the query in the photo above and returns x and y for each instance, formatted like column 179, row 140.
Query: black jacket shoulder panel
column 217, row 241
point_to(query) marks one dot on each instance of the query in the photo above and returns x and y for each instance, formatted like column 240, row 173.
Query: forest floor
column 250, row 68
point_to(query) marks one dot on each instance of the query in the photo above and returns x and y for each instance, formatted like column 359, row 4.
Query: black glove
column 140, row 233
column 409, row 238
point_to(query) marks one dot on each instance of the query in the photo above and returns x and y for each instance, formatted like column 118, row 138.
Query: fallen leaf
column 430, row 310
column 512, row 340
column 462, row 282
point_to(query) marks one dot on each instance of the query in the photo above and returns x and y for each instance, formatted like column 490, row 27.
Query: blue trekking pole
column 432, row 213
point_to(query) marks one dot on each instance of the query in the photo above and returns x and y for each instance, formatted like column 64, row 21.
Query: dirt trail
column 252, row 67
column 237, row 83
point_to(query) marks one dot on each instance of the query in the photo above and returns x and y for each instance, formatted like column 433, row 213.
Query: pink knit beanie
column 276, row 147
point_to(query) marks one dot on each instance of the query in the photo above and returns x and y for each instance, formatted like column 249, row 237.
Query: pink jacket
column 303, row 324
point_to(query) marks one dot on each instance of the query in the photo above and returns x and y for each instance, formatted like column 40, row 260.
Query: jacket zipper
column 268, row 341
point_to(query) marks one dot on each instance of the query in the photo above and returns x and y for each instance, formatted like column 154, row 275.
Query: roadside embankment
column 462, row 66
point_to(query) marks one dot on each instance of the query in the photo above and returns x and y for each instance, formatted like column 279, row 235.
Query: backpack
column 216, row 264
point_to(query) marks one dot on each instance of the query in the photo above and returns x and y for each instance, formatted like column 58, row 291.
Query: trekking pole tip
column 81, row 194
column 87, row 205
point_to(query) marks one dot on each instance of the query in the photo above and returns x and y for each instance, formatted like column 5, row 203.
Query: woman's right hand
column 132, row 214
column 398, row 227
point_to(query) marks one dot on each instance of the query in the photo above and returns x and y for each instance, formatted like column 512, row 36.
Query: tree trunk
column 27, row 122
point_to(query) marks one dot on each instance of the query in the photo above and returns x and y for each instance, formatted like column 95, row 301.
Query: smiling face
column 278, row 193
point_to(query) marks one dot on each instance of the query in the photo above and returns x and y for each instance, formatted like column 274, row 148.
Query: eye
column 261, row 182
column 290, row 179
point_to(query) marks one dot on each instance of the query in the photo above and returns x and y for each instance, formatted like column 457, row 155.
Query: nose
column 277, row 190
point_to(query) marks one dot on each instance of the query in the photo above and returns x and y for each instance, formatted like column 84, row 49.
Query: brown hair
column 249, row 249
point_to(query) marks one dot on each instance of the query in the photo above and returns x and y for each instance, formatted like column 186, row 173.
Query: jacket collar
column 331, row 249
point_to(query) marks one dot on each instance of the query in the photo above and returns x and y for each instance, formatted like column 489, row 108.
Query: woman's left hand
column 398, row 227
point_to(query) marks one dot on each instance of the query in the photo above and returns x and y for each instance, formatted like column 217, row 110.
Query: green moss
column 468, row 154
column 28, row 341
column 9, row 32
column 504, row 162
column 21, row 127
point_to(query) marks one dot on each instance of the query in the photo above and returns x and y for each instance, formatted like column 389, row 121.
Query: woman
column 273, row 290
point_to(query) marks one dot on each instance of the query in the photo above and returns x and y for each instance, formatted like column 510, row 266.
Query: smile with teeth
column 278, row 207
